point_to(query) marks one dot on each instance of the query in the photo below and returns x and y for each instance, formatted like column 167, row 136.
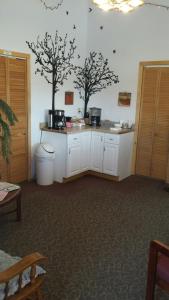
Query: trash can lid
column 45, row 150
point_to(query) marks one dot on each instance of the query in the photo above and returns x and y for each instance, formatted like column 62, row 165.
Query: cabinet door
column 85, row 141
column 73, row 162
column 110, row 161
column 73, row 155
column 97, row 151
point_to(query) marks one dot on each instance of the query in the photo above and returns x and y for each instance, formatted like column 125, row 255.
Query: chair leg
column 38, row 295
column 151, row 277
column 150, row 292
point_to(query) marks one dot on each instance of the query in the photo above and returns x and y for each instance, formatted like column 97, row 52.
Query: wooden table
column 10, row 197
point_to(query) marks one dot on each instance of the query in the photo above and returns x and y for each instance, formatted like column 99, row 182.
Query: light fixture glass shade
column 119, row 5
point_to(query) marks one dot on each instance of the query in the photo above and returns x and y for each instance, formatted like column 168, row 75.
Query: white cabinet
column 111, row 153
column 104, row 153
column 73, row 155
column 91, row 150
column 97, row 143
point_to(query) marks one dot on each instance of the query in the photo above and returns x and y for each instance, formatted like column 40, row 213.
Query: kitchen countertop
column 79, row 129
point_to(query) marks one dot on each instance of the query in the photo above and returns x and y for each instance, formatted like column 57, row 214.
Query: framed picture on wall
column 124, row 99
column 69, row 98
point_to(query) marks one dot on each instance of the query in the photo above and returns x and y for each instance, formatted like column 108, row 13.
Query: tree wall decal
column 54, row 57
column 93, row 77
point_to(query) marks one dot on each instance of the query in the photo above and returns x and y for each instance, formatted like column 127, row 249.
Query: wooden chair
column 32, row 289
column 158, row 269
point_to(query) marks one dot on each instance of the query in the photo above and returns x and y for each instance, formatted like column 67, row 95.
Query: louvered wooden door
column 161, row 127
column 153, row 135
column 16, row 96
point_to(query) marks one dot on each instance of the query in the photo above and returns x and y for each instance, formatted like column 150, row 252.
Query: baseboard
column 102, row 175
column 93, row 173
column 72, row 178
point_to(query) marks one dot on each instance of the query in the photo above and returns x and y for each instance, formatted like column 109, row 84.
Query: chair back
column 158, row 269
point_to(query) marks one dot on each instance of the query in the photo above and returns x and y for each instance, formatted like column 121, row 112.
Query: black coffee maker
column 59, row 119
column 94, row 116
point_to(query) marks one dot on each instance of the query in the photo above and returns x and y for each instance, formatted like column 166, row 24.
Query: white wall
column 22, row 20
column 137, row 36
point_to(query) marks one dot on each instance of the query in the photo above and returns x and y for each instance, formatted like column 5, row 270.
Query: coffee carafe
column 59, row 119
column 50, row 119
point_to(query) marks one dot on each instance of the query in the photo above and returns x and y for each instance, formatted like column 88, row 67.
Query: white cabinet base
column 102, row 154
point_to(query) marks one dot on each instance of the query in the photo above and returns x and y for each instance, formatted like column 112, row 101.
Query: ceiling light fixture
column 119, row 5
column 123, row 5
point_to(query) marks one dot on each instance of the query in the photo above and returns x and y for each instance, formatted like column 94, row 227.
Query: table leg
column 18, row 208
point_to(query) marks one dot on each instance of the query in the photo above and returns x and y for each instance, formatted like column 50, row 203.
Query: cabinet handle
column 75, row 139
column 69, row 151
column 101, row 139
column 104, row 149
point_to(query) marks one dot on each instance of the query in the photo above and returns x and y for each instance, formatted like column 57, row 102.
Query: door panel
column 18, row 168
column 161, row 128
column 18, row 101
column 153, row 134
column 13, row 89
column 3, row 170
column 19, row 143
column 3, row 86
column 147, row 120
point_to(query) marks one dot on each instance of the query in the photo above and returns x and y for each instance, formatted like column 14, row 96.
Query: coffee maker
column 94, row 116
column 59, row 119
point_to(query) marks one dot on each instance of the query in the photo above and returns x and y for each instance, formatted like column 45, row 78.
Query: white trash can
column 44, row 155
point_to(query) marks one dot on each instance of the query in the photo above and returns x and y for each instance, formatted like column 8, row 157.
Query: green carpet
column 96, row 235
